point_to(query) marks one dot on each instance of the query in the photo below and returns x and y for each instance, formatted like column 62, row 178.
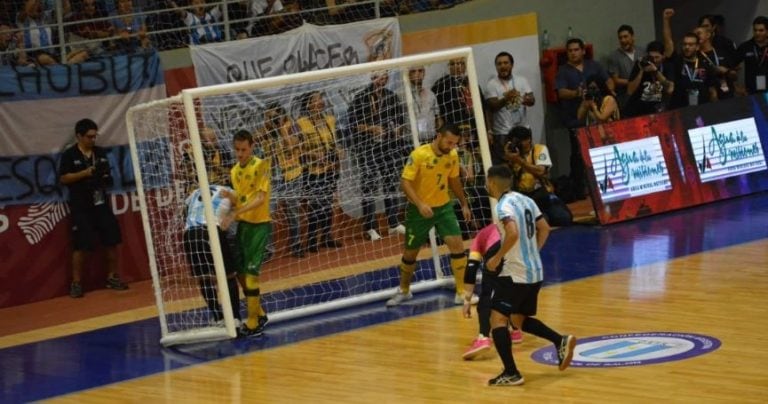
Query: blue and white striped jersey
column 196, row 208
column 522, row 262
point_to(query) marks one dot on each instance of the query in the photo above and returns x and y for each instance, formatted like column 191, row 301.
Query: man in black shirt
column 696, row 78
column 650, row 83
column 376, row 120
column 754, row 54
column 84, row 169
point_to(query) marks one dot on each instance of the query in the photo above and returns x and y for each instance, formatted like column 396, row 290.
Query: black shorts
column 198, row 252
column 96, row 223
column 515, row 298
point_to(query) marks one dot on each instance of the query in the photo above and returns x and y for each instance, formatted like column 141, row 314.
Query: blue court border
column 96, row 358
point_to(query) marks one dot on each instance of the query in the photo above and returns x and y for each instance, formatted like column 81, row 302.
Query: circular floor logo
column 633, row 349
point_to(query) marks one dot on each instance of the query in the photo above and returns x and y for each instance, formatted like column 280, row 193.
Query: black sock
column 208, row 290
column 484, row 314
column 534, row 326
column 234, row 297
column 503, row 344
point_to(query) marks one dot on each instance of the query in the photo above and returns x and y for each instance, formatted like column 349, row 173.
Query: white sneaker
column 398, row 298
column 459, row 299
column 372, row 235
column 399, row 229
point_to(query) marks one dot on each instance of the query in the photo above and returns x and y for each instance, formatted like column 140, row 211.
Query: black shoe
column 113, row 282
column 298, row 254
column 312, row 248
column 75, row 290
column 507, row 379
column 249, row 333
column 331, row 243
column 263, row 320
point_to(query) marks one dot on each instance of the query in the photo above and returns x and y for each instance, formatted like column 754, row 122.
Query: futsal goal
column 336, row 140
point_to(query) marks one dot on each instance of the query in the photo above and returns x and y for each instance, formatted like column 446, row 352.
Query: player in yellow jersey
column 431, row 170
column 251, row 182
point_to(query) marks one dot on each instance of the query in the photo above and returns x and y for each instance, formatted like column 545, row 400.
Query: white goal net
column 336, row 141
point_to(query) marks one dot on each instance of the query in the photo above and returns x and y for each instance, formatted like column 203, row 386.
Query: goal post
column 336, row 143
column 158, row 174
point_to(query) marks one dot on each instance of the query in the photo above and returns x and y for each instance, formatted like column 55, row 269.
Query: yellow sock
column 253, row 300
column 406, row 273
column 458, row 266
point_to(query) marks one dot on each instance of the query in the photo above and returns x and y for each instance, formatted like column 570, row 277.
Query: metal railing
column 166, row 30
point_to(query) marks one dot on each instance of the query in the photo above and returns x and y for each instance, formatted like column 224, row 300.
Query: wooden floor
column 418, row 359
column 717, row 293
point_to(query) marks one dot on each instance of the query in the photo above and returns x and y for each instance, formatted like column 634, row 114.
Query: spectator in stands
column 283, row 145
column 425, row 103
column 270, row 17
column 507, row 97
column 344, row 11
column 571, row 87
column 451, row 97
column 204, row 26
column 622, row 60
column 471, row 175
column 12, row 48
column 85, row 170
column 238, row 19
column 651, row 83
column 322, row 159
column 696, row 78
column 376, row 119
column 721, row 63
column 716, row 25
column 131, row 28
column 753, row 54
column 216, row 158
column 530, row 164
column 37, row 34
column 696, row 81
column 88, row 30
column 597, row 105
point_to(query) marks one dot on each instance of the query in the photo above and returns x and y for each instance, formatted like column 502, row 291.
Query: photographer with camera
column 651, row 83
column 85, row 170
column 530, row 164
column 597, row 104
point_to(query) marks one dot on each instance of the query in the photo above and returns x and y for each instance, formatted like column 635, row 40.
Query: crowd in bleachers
column 44, row 32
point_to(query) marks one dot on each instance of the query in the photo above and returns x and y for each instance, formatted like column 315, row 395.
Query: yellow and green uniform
column 286, row 152
column 319, row 139
column 429, row 174
column 254, row 225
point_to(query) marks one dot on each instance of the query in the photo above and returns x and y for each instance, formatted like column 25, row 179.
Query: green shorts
column 417, row 227
column 252, row 238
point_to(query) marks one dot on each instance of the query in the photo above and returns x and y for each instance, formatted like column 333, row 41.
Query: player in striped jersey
column 197, row 249
column 517, row 265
